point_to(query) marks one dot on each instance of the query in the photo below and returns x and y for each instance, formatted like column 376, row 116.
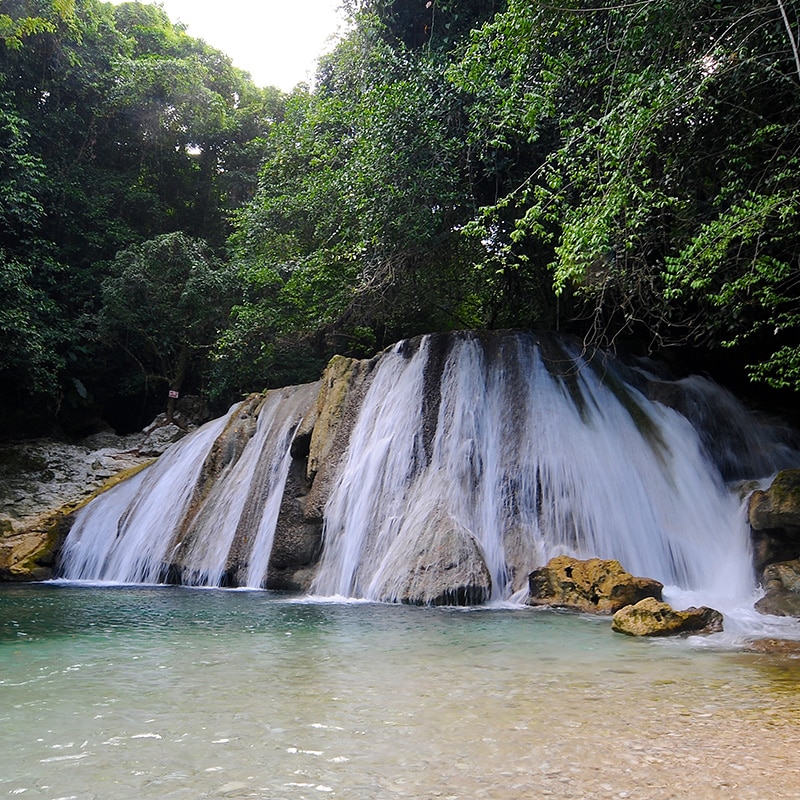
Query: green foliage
column 354, row 229
column 28, row 19
column 32, row 330
column 115, row 127
column 438, row 25
column 164, row 304
column 21, row 175
column 664, row 178
column 610, row 169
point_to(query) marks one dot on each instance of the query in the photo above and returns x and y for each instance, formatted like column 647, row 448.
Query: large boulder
column 775, row 520
column 28, row 554
column 595, row 586
column 651, row 617
column 778, row 506
column 782, row 589
column 436, row 563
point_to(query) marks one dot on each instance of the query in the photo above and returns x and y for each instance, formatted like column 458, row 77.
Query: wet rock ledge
column 775, row 524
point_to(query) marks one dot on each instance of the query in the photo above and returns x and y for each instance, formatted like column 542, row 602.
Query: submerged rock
column 787, row 647
column 651, row 617
column 595, row 586
column 782, row 586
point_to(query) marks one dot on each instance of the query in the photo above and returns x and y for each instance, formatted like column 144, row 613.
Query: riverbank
column 42, row 480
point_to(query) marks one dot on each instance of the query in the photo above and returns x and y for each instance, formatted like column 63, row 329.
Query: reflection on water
column 187, row 694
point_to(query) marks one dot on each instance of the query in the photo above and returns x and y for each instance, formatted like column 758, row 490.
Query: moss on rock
column 595, row 585
column 651, row 617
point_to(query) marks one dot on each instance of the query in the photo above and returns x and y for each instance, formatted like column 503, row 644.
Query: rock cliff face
column 775, row 523
column 343, row 386
column 43, row 482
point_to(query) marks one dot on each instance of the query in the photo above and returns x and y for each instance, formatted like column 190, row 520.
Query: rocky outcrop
column 595, row 586
column 782, row 589
column 778, row 506
column 774, row 516
column 775, row 520
column 29, row 554
column 343, row 386
column 298, row 540
column 42, row 483
column 651, row 617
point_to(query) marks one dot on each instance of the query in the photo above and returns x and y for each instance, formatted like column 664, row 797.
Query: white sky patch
column 276, row 41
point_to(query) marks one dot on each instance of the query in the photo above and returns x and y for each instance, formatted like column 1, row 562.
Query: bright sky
column 276, row 41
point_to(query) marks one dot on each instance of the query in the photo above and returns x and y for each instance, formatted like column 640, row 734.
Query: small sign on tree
column 173, row 394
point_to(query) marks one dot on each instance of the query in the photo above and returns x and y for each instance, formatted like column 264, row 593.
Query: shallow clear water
column 180, row 693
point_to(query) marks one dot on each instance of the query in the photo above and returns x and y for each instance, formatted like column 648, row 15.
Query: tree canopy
column 628, row 173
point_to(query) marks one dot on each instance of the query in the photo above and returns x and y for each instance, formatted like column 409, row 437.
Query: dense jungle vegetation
column 626, row 172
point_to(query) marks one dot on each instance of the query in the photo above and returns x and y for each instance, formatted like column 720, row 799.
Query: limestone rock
column 329, row 410
column 782, row 589
column 159, row 438
column 436, row 563
column 651, row 617
column 41, row 482
column 775, row 520
column 28, row 555
column 190, row 412
column 595, row 586
column 298, row 541
column 779, row 506
column 343, row 386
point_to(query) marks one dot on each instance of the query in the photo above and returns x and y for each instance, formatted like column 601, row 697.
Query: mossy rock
column 651, row 617
column 595, row 585
column 778, row 506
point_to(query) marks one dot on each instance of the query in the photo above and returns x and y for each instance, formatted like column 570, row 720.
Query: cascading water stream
column 167, row 517
column 531, row 458
column 124, row 535
column 472, row 460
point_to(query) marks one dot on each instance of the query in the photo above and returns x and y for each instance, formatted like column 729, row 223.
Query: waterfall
column 214, row 493
column 537, row 451
column 464, row 461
